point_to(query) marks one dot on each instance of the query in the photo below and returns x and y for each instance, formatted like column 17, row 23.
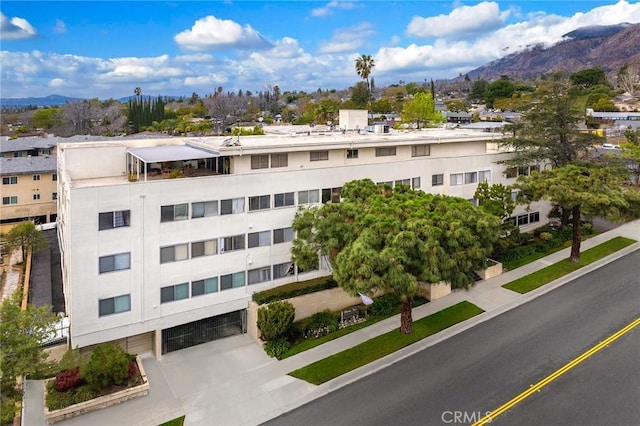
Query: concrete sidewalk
column 233, row 382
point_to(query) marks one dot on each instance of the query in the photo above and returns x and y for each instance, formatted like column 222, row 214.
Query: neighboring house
column 163, row 242
column 458, row 117
column 29, row 188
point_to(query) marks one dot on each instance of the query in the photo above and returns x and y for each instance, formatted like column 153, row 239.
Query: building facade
column 29, row 181
column 163, row 242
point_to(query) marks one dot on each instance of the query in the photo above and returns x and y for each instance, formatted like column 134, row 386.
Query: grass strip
column 378, row 347
column 175, row 422
column 553, row 272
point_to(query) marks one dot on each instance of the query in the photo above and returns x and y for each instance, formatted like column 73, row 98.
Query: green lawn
column 378, row 347
column 559, row 269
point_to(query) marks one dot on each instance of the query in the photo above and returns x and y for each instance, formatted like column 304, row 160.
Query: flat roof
column 161, row 153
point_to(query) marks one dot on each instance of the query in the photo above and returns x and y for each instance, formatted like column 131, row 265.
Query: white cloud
column 15, row 28
column 347, row 39
column 56, row 82
column 462, row 22
column 60, row 27
column 328, row 9
column 211, row 33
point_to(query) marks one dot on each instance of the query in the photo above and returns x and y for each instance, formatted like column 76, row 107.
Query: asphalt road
column 480, row 369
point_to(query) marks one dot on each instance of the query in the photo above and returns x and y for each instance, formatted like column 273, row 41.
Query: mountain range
column 606, row 46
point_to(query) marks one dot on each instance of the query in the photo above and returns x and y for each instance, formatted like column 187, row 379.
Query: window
column 45, row 151
column 54, row 177
column 232, row 206
column 514, row 195
column 54, row 196
column 259, row 275
column 259, row 202
column 352, row 153
column 10, row 180
column 318, row 155
column 233, row 243
column 232, row 281
column 386, row 151
column 282, row 235
column 484, row 175
column 535, row 168
column 259, row 239
column 511, row 172
column 174, row 292
column 36, row 177
column 420, row 150
column 283, row 269
column 110, row 220
column 114, row 305
column 174, row 212
column 282, row 200
column 534, row 217
column 415, row 182
column 114, row 262
column 309, row 197
column 437, row 180
column 523, row 219
column 200, row 287
column 471, row 177
column 457, row 179
column 204, row 209
column 204, row 248
column 523, row 171
column 10, row 200
column 17, row 154
column 331, row 195
column 174, row 253
column 279, row 160
column 260, row 161
column 403, row 182
column 36, row 197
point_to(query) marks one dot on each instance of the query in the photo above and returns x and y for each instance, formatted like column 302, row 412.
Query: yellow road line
column 495, row 413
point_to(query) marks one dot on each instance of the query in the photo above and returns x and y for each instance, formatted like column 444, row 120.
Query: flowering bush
column 68, row 379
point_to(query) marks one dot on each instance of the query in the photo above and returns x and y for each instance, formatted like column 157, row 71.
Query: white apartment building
column 164, row 241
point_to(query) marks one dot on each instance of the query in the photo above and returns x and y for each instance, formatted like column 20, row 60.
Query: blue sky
column 107, row 48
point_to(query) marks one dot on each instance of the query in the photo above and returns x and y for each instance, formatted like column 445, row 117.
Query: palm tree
column 137, row 91
column 364, row 65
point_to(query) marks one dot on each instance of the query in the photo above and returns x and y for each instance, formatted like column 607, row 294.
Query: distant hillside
column 608, row 47
column 51, row 100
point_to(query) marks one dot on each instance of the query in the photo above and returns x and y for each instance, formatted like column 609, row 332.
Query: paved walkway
column 233, row 382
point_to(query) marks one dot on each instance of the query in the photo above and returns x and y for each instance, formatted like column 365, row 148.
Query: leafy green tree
column 360, row 95
column 588, row 77
column 478, row 88
column 420, row 109
column 498, row 89
column 495, row 199
column 631, row 153
column 275, row 319
column 578, row 189
column 21, row 333
column 383, row 239
column 364, row 66
column 46, row 118
column 25, row 236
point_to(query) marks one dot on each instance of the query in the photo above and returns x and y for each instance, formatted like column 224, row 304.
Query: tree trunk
column 406, row 322
column 577, row 235
column 564, row 218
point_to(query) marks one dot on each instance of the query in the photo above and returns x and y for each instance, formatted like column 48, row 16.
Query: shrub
column 320, row 324
column 7, row 410
column 288, row 291
column 384, row 305
column 275, row 319
column 546, row 236
column 132, row 370
column 57, row 400
column 107, row 366
column 68, row 379
column 277, row 347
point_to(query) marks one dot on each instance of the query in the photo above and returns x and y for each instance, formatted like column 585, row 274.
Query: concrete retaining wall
column 492, row 271
column 100, row 402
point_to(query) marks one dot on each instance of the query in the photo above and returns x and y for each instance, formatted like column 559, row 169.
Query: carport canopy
column 165, row 153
